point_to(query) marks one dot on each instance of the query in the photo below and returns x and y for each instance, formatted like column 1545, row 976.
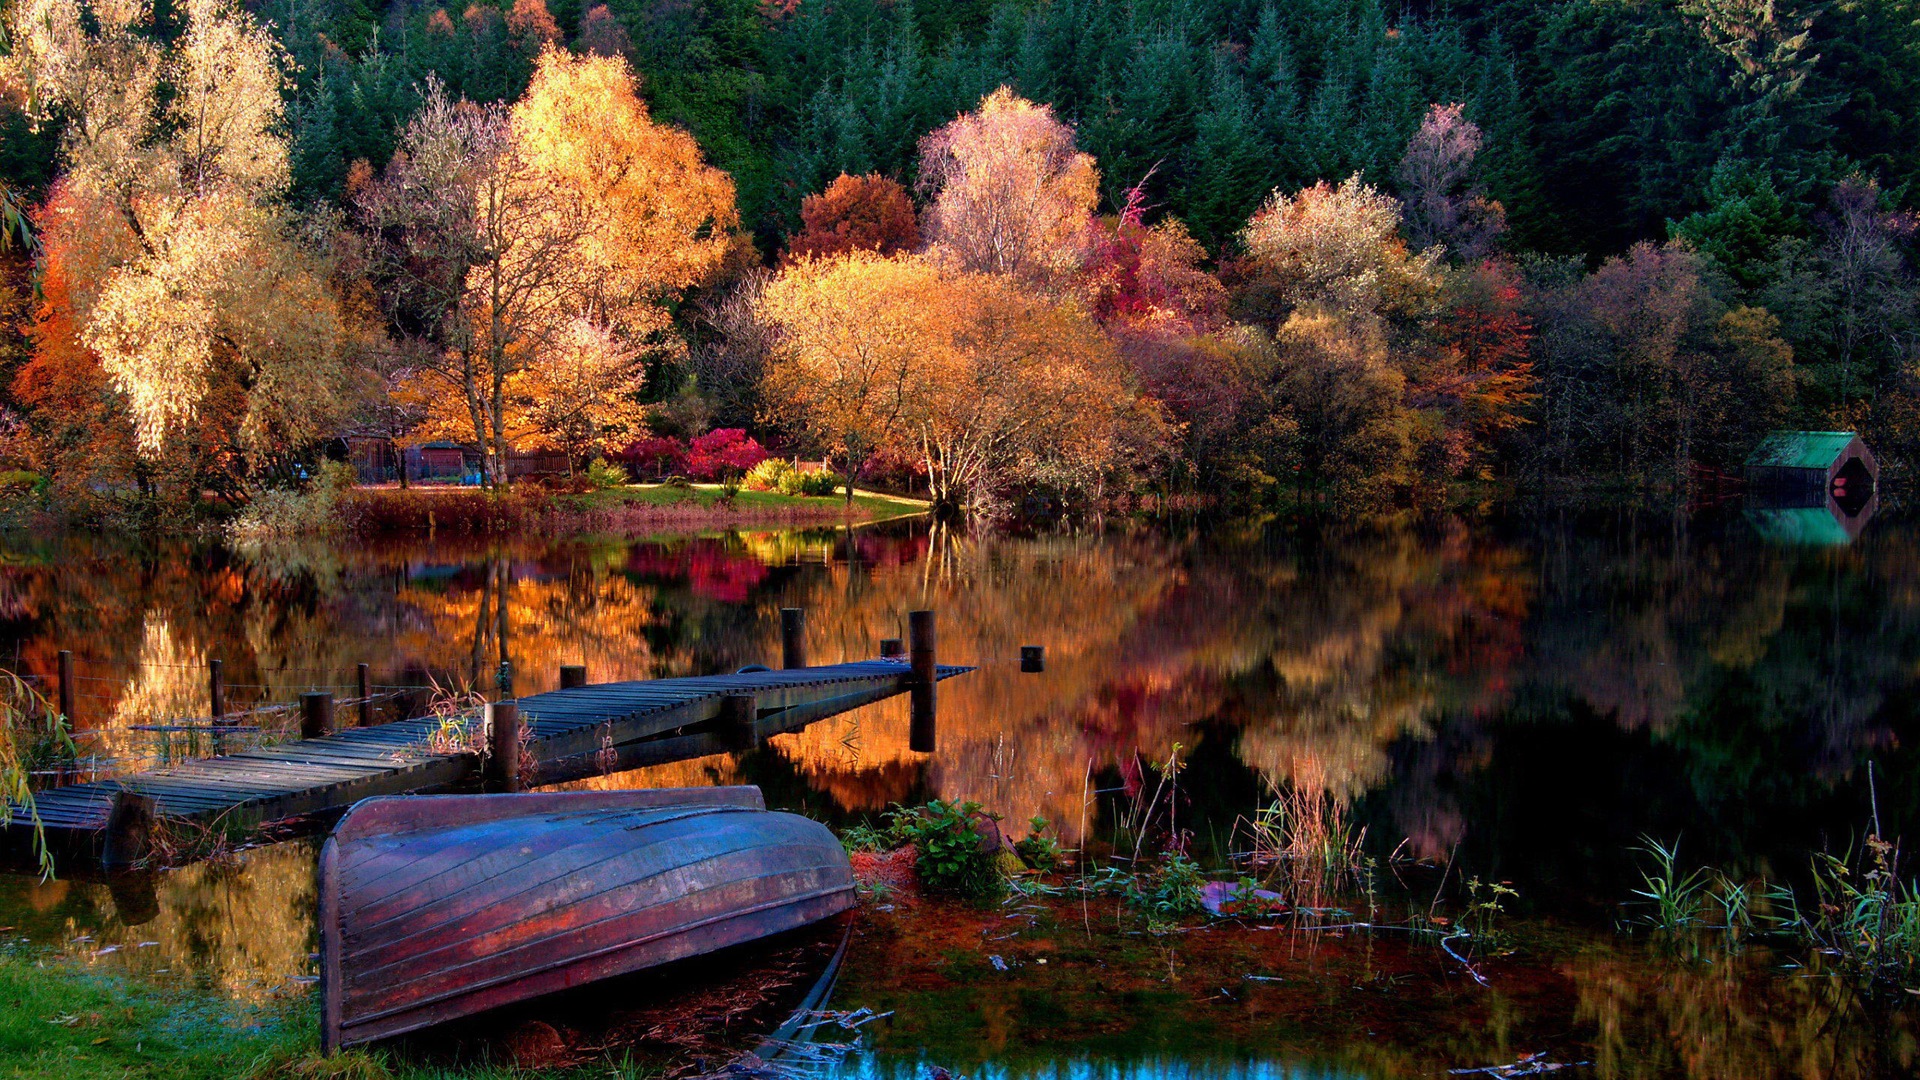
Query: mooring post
column 316, row 714
column 572, row 675
column 739, row 721
column 1033, row 658
column 793, row 637
column 129, row 835
column 924, row 680
column 891, row 647
column 503, row 757
column 66, row 687
column 217, row 691
column 362, row 677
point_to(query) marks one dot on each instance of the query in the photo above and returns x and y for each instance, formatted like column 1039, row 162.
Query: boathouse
column 1817, row 464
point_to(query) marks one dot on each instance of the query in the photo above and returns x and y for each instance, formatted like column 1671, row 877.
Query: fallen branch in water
column 1468, row 964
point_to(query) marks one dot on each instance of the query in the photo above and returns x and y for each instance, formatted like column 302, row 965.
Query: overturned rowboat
column 439, row 907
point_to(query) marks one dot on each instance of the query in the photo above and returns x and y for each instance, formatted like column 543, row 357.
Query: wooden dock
column 570, row 734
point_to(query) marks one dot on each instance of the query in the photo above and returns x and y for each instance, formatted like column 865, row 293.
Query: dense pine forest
column 1318, row 247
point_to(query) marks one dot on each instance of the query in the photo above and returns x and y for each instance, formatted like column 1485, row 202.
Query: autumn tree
column 1031, row 394
column 601, row 34
column 1150, row 279
column 1333, row 249
column 1644, row 370
column 1355, row 433
column 215, row 325
column 856, row 213
column 847, row 335
column 1442, row 201
column 500, row 230
column 1009, row 191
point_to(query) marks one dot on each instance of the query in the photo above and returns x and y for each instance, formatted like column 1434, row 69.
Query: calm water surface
column 1526, row 696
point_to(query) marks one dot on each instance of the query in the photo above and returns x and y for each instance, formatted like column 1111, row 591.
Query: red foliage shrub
column 722, row 453
column 655, row 457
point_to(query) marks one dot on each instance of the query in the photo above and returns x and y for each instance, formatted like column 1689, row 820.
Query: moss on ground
column 61, row 1021
column 866, row 504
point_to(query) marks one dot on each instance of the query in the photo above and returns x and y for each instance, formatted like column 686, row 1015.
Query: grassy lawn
column 706, row 496
column 60, row 1021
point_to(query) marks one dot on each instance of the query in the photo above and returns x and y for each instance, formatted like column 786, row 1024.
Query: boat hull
column 439, row 907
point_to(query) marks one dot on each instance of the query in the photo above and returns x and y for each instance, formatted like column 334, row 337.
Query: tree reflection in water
column 1525, row 696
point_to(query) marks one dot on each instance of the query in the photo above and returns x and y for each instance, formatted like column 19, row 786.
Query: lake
column 1522, row 697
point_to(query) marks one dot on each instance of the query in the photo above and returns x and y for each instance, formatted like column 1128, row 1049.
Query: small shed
column 1826, row 463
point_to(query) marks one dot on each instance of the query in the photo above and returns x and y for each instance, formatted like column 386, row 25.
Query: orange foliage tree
column 991, row 384
column 856, row 213
column 505, row 238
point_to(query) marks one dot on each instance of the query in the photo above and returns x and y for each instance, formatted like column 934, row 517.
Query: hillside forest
column 1019, row 256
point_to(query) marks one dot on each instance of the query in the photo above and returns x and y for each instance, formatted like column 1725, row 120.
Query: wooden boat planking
column 438, row 907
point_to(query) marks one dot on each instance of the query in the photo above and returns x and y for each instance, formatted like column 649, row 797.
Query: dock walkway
column 572, row 733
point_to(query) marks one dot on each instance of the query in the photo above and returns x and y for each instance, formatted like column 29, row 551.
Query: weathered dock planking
column 574, row 732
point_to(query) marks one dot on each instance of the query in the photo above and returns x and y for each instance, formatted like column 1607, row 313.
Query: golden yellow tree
column 215, row 306
column 501, row 229
column 1030, row 392
column 1011, row 193
column 849, row 332
column 992, row 384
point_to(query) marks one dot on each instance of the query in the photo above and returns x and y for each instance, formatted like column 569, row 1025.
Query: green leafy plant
column 1038, row 850
column 602, row 476
column 953, row 857
column 1170, row 889
column 1675, row 898
column 1486, row 907
column 769, row 475
column 796, row 482
column 868, row 837
column 1861, row 913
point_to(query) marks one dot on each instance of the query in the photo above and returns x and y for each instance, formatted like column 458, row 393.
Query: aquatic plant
column 954, row 858
column 1303, row 841
column 1861, row 913
column 1168, row 889
column 32, row 733
column 1038, row 850
column 1675, row 898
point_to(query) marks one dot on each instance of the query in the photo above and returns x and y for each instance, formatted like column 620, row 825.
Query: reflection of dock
column 568, row 734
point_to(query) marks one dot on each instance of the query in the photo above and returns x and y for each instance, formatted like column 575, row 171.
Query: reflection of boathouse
column 1816, row 487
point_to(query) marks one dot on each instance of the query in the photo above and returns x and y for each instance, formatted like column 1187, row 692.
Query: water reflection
column 1525, row 697
column 242, row 927
column 1466, row 685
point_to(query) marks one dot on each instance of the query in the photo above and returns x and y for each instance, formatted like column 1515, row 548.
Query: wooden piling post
column 503, row 758
column 316, row 714
column 891, row 647
column 924, row 680
column 66, row 687
column 793, row 637
column 364, row 684
column 739, row 719
column 129, row 833
column 572, row 675
column 1033, row 658
column 217, row 691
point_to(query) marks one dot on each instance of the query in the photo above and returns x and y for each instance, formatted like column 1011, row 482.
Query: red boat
column 438, row 907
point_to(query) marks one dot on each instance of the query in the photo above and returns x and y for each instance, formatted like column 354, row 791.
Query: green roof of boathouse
column 1800, row 449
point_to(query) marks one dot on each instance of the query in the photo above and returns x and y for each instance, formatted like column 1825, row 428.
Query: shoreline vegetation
column 1357, row 255
column 954, row 911
column 630, row 509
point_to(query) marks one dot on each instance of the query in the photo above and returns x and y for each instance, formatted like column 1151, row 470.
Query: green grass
column 60, row 1021
column 871, row 504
